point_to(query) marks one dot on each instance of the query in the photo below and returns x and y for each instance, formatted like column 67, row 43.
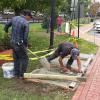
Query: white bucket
column 8, row 70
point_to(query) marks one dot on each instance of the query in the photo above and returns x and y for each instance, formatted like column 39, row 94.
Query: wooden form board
column 54, row 77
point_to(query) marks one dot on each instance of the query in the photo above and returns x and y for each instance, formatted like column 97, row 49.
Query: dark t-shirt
column 65, row 48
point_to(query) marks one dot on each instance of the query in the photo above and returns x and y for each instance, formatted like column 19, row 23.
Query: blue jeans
column 59, row 28
column 20, row 60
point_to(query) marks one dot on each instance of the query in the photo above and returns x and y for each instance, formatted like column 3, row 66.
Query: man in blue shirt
column 64, row 49
column 19, row 41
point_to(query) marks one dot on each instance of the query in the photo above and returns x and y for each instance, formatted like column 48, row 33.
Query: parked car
column 97, row 25
column 8, row 12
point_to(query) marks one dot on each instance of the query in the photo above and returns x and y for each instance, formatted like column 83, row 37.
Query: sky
column 97, row 0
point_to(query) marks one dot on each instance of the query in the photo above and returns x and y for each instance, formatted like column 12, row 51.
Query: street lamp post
column 53, row 5
column 74, row 10
column 78, row 17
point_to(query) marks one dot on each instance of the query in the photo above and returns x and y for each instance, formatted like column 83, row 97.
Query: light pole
column 53, row 5
column 74, row 10
column 78, row 17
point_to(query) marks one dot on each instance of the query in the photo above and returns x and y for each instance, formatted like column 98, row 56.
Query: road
column 94, row 33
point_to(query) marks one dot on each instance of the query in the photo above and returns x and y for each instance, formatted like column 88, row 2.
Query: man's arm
column 8, row 24
column 62, row 65
column 79, row 63
column 26, row 34
column 69, row 63
column 61, row 62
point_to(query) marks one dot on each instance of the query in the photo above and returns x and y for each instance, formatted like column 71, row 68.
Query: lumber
column 53, row 77
column 86, row 64
column 88, row 61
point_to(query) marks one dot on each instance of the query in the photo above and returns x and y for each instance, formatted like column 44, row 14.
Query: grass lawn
column 14, row 89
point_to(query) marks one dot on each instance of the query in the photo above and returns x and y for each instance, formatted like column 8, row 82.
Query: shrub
column 46, row 21
column 5, row 42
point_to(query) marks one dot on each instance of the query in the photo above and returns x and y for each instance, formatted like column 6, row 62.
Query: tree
column 36, row 5
column 86, row 5
column 94, row 9
column 17, row 5
column 65, row 7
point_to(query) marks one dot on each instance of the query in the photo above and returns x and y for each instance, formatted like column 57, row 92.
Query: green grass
column 13, row 89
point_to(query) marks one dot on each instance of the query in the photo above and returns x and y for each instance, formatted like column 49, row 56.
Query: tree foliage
column 94, row 8
column 37, row 5
column 86, row 5
column 65, row 6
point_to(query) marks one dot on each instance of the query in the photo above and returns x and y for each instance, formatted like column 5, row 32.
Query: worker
column 19, row 41
column 64, row 49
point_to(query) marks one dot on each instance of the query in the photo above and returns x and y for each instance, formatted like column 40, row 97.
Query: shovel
column 44, row 62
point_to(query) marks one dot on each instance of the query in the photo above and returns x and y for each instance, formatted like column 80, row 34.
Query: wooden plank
column 54, row 77
column 86, row 64
column 88, row 61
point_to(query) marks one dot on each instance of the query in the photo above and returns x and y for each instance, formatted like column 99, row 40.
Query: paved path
column 83, row 35
column 90, row 90
column 88, row 37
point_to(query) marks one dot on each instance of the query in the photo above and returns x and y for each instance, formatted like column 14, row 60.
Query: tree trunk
column 17, row 11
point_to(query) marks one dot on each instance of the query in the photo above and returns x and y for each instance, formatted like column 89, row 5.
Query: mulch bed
column 5, row 52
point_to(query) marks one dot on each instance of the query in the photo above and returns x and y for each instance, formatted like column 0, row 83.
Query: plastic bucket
column 8, row 70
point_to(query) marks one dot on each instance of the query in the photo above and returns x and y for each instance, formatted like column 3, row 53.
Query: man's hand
column 64, row 69
column 79, row 69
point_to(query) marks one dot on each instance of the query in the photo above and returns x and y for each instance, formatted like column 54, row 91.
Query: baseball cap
column 74, row 53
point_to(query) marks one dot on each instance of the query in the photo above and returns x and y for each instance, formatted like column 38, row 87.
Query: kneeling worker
column 64, row 49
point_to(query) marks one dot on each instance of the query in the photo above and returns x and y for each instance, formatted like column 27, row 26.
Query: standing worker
column 48, row 24
column 64, row 49
column 19, row 41
column 59, row 23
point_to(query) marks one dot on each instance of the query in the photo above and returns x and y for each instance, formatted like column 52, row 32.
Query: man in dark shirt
column 19, row 41
column 64, row 49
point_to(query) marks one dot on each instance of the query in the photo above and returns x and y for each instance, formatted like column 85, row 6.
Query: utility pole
column 78, row 17
column 53, row 5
